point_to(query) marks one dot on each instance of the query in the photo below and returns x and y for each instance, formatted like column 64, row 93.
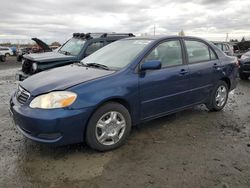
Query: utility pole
column 154, row 29
column 226, row 37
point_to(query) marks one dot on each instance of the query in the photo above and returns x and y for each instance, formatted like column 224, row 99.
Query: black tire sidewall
column 90, row 135
column 2, row 58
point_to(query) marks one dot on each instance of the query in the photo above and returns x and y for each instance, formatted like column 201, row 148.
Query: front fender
column 123, row 86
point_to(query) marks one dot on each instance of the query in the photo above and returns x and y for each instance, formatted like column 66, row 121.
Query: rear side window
column 198, row 51
column 212, row 54
column 169, row 53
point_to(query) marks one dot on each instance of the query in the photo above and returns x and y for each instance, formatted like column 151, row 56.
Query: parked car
column 14, row 50
column 78, row 47
column 6, row 51
column 123, row 84
column 39, row 48
column 244, row 70
column 2, row 57
column 21, row 52
column 225, row 47
column 241, row 48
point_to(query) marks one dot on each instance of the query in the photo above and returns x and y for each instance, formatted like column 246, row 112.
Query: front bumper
column 54, row 126
column 20, row 75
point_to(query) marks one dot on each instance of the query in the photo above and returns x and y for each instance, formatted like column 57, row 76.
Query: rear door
column 164, row 90
column 204, row 69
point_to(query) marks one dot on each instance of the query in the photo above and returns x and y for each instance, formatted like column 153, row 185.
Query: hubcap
column 110, row 128
column 221, row 96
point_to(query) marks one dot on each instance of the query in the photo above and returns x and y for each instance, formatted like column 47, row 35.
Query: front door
column 164, row 90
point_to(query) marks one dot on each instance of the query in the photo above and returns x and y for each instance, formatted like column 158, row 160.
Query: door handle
column 216, row 66
column 183, row 72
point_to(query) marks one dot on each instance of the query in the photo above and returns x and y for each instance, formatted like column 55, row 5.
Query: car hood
column 61, row 78
column 42, row 44
column 49, row 56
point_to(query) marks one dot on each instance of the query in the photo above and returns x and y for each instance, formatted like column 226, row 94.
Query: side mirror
column 151, row 65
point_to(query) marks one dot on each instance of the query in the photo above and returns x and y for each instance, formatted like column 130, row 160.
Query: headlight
column 34, row 67
column 57, row 99
column 244, row 57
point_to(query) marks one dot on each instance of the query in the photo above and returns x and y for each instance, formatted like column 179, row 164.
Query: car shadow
column 58, row 152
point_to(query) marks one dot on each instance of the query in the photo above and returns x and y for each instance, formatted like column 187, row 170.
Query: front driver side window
column 169, row 53
column 94, row 47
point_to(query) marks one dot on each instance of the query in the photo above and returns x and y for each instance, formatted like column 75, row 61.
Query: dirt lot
column 193, row 148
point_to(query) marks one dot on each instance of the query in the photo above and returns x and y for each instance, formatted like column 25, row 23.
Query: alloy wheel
column 110, row 128
column 221, row 96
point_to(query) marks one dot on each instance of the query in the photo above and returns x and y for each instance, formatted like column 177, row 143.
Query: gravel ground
column 193, row 148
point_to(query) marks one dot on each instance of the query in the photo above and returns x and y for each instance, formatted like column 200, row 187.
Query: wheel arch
column 119, row 100
column 228, row 82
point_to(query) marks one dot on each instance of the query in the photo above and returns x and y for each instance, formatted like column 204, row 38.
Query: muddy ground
column 193, row 148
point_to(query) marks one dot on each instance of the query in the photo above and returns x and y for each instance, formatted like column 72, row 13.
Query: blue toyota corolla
column 125, row 83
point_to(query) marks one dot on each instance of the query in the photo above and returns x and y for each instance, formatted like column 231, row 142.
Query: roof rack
column 82, row 35
column 117, row 34
column 101, row 35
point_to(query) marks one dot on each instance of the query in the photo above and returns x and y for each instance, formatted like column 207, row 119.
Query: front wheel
column 218, row 97
column 108, row 127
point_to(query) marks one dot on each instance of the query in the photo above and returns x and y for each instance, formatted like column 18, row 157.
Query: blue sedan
column 123, row 84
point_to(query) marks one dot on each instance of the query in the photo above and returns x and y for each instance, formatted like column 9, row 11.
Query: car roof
column 163, row 37
column 220, row 42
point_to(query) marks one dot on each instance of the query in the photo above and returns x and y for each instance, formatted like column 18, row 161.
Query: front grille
column 27, row 66
column 21, row 95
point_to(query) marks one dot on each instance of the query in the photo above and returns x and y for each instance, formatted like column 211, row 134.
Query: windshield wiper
column 97, row 65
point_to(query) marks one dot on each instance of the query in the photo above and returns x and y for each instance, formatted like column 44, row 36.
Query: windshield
column 72, row 47
column 117, row 54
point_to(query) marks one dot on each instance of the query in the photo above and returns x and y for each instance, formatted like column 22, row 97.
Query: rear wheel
column 7, row 55
column 243, row 76
column 218, row 97
column 108, row 127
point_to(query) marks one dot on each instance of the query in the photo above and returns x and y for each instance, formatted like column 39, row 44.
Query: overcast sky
column 53, row 20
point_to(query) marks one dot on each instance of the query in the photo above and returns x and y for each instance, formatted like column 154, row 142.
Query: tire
column 7, row 55
column 19, row 58
column 243, row 76
column 214, row 103
column 105, row 133
column 2, row 58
